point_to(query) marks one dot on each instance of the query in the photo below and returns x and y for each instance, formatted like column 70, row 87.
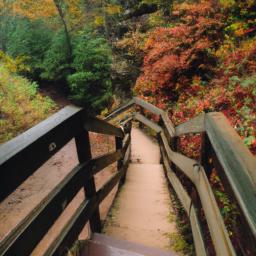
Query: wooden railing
column 221, row 149
column 22, row 156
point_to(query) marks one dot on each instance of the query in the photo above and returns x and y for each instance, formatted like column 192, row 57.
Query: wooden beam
column 147, row 122
column 195, row 125
column 93, row 124
column 188, row 206
column 31, row 230
column 237, row 162
column 196, row 174
column 84, row 154
column 119, row 110
column 21, row 156
column 153, row 109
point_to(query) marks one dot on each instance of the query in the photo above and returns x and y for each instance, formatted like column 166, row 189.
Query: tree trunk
column 68, row 39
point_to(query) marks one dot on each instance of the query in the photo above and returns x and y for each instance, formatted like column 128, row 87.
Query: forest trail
column 142, row 211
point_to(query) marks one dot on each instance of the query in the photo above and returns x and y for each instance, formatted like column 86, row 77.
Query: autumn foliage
column 198, row 66
column 174, row 55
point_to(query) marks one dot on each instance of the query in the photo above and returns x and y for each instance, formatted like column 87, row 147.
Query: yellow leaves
column 13, row 65
column 227, row 3
column 34, row 9
column 74, row 12
column 113, row 9
column 99, row 21
column 21, row 106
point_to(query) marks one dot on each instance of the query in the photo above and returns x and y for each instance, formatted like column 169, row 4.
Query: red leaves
column 174, row 55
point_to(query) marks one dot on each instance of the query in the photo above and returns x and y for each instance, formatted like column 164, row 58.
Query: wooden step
column 104, row 245
column 93, row 248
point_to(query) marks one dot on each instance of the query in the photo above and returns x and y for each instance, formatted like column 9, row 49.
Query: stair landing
column 141, row 212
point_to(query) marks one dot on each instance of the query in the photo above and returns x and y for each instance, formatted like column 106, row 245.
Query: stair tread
column 93, row 248
column 130, row 246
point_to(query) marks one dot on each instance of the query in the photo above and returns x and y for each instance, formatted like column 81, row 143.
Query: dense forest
column 184, row 56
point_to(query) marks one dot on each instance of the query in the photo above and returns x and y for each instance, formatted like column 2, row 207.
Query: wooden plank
column 169, row 126
column 126, row 142
column 237, row 162
column 73, row 228
column 31, row 230
column 102, row 162
column 147, row 122
column 153, row 109
column 94, row 124
column 196, row 174
column 109, row 185
column 84, row 154
column 77, row 222
column 119, row 110
column 21, row 156
column 195, row 125
column 188, row 206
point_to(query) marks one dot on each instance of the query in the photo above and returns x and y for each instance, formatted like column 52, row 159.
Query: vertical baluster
column 119, row 145
column 206, row 153
column 84, row 154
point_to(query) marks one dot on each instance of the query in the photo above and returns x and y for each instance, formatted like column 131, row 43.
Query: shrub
column 55, row 66
column 21, row 106
column 90, row 84
column 174, row 55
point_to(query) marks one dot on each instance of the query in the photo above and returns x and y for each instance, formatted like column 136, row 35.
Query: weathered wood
column 125, row 143
column 195, row 125
column 76, row 223
column 187, row 204
column 153, row 109
column 21, row 156
column 73, row 228
column 110, row 184
column 196, row 174
column 31, row 230
column 93, row 124
column 168, row 125
column 120, row 110
column 102, row 162
column 119, row 146
column 84, row 155
column 147, row 122
column 237, row 162
column 206, row 153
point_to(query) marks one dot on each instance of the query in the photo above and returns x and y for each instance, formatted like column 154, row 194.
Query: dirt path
column 141, row 212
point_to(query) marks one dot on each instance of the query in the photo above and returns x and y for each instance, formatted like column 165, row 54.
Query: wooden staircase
column 221, row 150
column 103, row 245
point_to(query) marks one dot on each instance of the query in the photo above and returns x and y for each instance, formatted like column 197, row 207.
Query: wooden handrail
column 48, row 137
column 237, row 163
column 233, row 161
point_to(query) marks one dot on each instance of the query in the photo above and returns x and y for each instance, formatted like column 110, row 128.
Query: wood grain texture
column 21, row 156
column 147, row 122
column 195, row 125
column 237, row 162
column 187, row 204
column 196, row 174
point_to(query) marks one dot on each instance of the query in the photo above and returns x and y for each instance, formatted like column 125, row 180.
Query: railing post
column 84, row 154
column 119, row 146
column 205, row 153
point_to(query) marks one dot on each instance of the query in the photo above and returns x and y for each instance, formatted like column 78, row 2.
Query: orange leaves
column 174, row 55
column 34, row 9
